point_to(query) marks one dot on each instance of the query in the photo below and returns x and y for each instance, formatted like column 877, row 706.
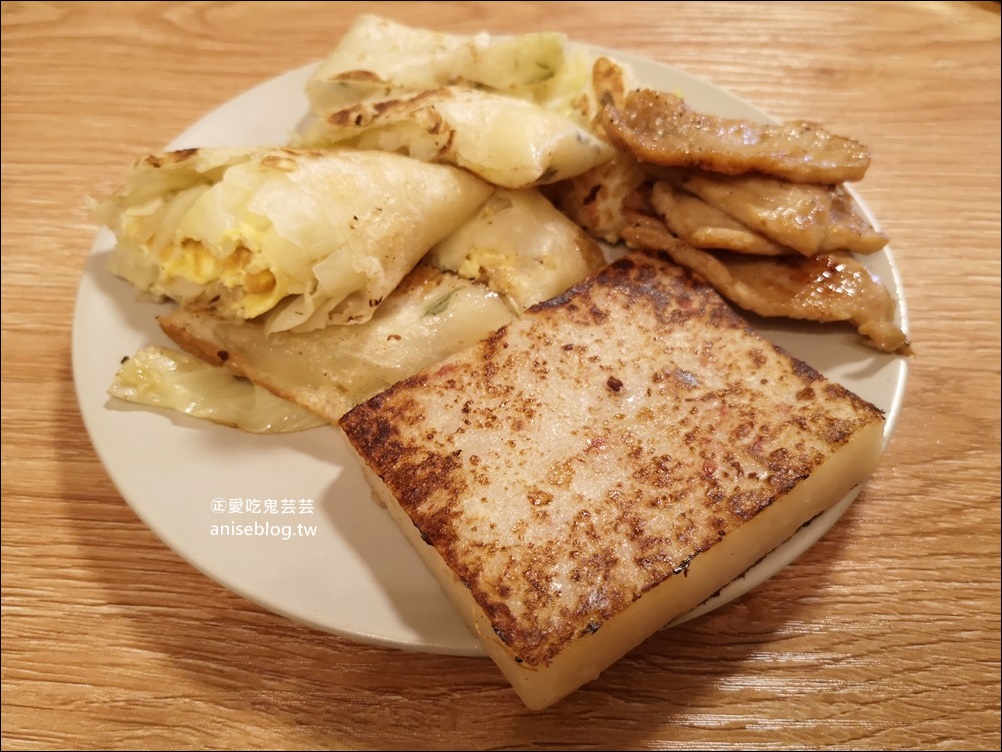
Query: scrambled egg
column 169, row 246
column 248, row 283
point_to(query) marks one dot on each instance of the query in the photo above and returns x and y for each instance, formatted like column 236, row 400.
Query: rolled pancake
column 377, row 57
column 508, row 141
column 520, row 245
column 518, row 110
column 430, row 315
column 306, row 238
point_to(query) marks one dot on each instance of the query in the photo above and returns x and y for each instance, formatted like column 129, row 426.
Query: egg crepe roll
column 430, row 315
column 511, row 142
column 515, row 251
column 521, row 247
column 518, row 111
column 302, row 238
column 378, row 56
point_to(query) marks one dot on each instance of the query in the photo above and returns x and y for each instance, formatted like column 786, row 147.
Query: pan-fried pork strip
column 794, row 215
column 705, row 226
column 824, row 288
column 808, row 218
column 847, row 229
column 660, row 128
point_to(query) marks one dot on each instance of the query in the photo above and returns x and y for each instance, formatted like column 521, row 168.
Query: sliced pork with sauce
column 824, row 288
column 808, row 218
column 661, row 129
column 848, row 229
column 704, row 226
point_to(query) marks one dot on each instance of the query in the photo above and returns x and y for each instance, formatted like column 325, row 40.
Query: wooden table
column 883, row 635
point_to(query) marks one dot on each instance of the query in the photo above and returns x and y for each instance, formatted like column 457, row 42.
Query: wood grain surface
column 884, row 635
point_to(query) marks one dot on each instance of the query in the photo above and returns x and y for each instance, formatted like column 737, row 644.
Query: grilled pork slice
column 705, row 226
column 824, row 288
column 432, row 314
column 808, row 218
column 661, row 129
column 604, row 464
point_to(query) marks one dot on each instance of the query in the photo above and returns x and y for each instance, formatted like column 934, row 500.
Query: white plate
column 356, row 575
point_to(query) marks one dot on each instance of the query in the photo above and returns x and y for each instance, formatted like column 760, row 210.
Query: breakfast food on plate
column 605, row 463
column 748, row 201
column 806, row 218
column 521, row 246
column 598, row 200
column 661, row 129
column 701, row 225
column 508, row 141
column 580, row 451
column 304, row 238
column 378, row 58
